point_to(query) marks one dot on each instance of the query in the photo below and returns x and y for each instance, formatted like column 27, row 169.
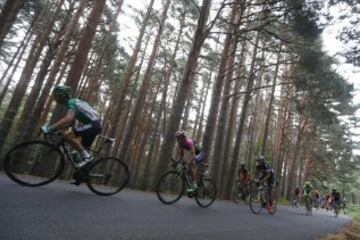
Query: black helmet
column 260, row 162
column 62, row 90
column 242, row 166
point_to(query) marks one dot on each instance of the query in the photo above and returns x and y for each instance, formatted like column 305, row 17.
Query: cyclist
column 296, row 195
column 265, row 173
column 317, row 198
column 192, row 153
column 335, row 198
column 76, row 110
column 244, row 180
column 307, row 192
column 244, row 175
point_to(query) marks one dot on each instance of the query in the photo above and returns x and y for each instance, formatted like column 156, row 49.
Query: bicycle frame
column 64, row 146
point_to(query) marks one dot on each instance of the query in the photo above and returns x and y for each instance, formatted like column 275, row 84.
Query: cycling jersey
column 307, row 190
column 264, row 171
column 84, row 113
column 199, row 153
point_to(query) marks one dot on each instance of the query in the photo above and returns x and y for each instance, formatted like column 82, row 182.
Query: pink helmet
column 179, row 133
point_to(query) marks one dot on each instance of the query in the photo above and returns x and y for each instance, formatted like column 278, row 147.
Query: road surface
column 63, row 211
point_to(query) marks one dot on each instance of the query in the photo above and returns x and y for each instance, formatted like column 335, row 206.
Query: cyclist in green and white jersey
column 76, row 110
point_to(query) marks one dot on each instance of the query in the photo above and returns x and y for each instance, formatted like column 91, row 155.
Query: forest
column 242, row 77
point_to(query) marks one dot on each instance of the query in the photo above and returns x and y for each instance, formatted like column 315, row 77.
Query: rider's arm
column 180, row 150
column 65, row 121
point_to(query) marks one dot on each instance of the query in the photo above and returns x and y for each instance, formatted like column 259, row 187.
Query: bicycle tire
column 175, row 177
column 254, row 200
column 205, row 187
column 107, row 176
column 36, row 169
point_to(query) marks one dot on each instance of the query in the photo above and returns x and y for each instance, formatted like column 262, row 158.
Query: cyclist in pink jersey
column 194, row 155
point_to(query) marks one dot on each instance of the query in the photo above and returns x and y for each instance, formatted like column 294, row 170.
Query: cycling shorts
column 88, row 133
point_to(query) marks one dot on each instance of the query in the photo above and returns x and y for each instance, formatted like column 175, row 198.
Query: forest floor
column 352, row 232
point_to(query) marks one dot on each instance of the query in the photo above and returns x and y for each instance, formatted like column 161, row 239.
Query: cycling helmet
column 180, row 133
column 242, row 166
column 307, row 183
column 62, row 90
column 260, row 162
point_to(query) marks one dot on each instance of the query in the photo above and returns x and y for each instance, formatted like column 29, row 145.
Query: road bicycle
column 241, row 192
column 39, row 162
column 259, row 199
column 308, row 205
column 171, row 185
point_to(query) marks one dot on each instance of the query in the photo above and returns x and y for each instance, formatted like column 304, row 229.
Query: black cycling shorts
column 88, row 133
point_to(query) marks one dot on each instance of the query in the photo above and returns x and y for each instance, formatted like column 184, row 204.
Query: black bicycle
column 39, row 162
column 171, row 185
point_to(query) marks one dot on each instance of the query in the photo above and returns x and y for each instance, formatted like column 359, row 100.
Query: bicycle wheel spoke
column 107, row 176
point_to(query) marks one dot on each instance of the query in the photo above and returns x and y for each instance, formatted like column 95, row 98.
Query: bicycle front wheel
column 34, row 163
column 170, row 187
column 107, row 176
column 206, row 194
column 255, row 201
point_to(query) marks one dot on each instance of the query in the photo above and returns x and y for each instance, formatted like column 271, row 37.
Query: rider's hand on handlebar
column 46, row 129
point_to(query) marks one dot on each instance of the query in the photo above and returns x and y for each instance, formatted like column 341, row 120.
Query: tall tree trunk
column 271, row 101
column 185, row 85
column 238, row 140
column 120, row 126
column 234, row 21
column 229, row 134
column 207, row 81
column 22, row 47
column 223, row 116
column 25, row 77
column 8, row 16
column 85, row 44
column 295, row 157
column 63, row 48
column 129, row 71
column 93, row 82
column 145, row 85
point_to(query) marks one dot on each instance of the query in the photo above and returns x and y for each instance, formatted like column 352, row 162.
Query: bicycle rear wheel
column 34, row 163
column 206, row 194
column 170, row 187
column 107, row 176
column 255, row 201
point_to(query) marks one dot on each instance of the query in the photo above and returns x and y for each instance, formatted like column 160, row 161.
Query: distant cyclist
column 76, row 110
column 335, row 198
column 317, row 198
column 192, row 153
column 243, row 174
column 265, row 173
column 296, row 195
column 307, row 192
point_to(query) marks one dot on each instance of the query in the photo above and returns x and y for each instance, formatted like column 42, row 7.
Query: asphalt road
column 63, row 211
